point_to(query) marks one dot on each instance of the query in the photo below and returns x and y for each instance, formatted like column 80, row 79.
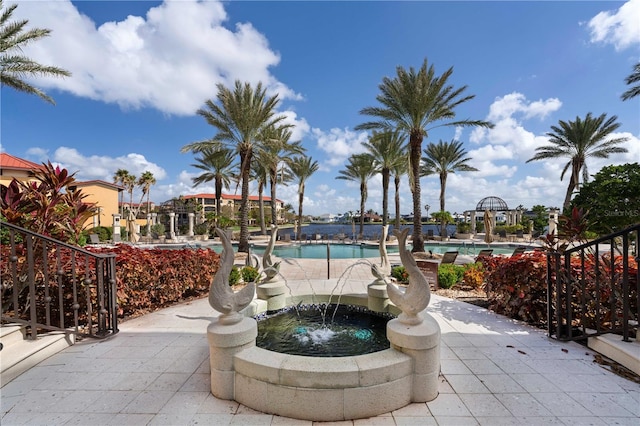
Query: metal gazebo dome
column 494, row 204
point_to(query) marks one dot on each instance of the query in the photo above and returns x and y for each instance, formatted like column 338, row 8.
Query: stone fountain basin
column 334, row 389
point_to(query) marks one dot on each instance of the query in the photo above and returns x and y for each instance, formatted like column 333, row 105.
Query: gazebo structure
column 494, row 205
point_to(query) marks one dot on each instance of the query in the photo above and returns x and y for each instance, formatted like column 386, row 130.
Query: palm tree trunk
column 263, row 228
column 573, row 183
column 363, row 198
column 245, row 161
column 385, row 196
column 218, row 185
column 397, row 200
column 300, row 199
column 415, row 150
column 443, row 185
column 274, row 211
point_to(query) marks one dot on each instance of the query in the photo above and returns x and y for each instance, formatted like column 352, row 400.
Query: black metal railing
column 49, row 285
column 592, row 289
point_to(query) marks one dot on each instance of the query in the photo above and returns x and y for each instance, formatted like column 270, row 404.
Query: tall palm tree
column 360, row 168
column 400, row 169
column 129, row 184
column 579, row 140
column 239, row 116
column 259, row 174
column 301, row 168
column 413, row 103
column 634, row 77
column 443, row 158
column 145, row 182
column 218, row 166
column 14, row 67
column 119, row 178
column 277, row 150
column 387, row 150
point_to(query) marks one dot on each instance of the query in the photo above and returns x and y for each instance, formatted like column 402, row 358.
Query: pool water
column 319, row 251
column 359, row 251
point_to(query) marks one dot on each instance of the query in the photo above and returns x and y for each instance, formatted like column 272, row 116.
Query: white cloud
column 301, row 127
column 620, row 28
column 170, row 60
column 513, row 103
column 339, row 144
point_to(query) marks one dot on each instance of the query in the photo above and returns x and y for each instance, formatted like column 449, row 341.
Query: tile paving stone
column 156, row 371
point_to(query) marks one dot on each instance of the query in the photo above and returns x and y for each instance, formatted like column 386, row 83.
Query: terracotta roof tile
column 8, row 161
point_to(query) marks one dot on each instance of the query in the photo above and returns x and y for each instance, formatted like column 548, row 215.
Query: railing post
column 32, row 287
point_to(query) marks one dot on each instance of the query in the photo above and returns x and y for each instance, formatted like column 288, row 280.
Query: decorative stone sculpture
column 221, row 297
column 417, row 295
column 384, row 269
column 270, row 268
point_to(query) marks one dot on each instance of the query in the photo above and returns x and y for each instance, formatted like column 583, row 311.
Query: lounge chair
column 484, row 253
column 430, row 234
column 449, row 257
column 503, row 235
column 518, row 251
column 287, row 238
column 94, row 239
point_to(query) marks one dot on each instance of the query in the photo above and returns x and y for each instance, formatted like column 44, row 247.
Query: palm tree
column 413, row 103
column 579, row 140
column 634, row 77
column 129, row 184
column 259, row 174
column 441, row 159
column 218, row 166
column 301, row 167
column 14, row 67
column 145, row 181
column 387, row 150
column 400, row 169
column 119, row 178
column 240, row 115
column 359, row 169
column 276, row 150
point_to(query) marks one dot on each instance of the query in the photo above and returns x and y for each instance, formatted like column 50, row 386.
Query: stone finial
column 221, row 297
column 417, row 295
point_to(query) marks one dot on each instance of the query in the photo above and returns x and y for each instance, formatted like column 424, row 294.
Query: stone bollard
column 378, row 298
column 225, row 341
column 422, row 343
column 274, row 292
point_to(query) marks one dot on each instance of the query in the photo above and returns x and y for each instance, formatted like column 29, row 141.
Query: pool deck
column 495, row 371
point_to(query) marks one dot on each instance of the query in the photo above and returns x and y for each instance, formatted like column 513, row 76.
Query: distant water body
column 369, row 230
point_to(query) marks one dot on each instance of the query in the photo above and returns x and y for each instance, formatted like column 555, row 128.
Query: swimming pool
column 319, row 251
column 359, row 251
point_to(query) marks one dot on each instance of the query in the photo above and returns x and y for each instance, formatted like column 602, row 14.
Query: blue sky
column 142, row 69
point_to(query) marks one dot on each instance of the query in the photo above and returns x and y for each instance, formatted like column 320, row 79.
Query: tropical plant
column 145, row 181
column 633, row 78
column 443, row 218
column 239, row 116
column 119, row 178
column 250, row 274
column 413, row 103
column 449, row 275
column 443, row 158
column 302, row 167
column 259, row 174
column 15, row 67
column 218, row 166
column 387, row 150
column 400, row 274
column 612, row 198
column 360, row 168
column 579, row 140
column 47, row 206
column 400, row 169
column 276, row 151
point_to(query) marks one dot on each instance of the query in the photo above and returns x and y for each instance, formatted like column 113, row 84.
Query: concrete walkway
column 495, row 371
